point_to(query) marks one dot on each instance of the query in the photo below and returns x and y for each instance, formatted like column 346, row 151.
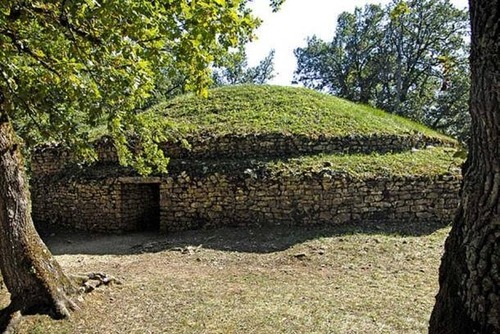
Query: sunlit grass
column 424, row 162
column 274, row 109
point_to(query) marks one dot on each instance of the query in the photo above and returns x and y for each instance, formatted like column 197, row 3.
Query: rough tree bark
column 469, row 297
column 34, row 279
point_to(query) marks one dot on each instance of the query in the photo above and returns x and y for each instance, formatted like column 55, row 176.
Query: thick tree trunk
column 469, row 297
column 34, row 279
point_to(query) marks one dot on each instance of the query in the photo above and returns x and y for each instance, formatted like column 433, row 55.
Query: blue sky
column 288, row 29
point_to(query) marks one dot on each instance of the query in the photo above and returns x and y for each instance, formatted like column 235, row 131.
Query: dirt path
column 248, row 239
column 63, row 242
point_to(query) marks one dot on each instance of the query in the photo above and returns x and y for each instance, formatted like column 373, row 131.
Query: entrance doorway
column 141, row 206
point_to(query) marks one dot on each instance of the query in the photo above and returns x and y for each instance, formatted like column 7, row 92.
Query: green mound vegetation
column 259, row 109
column 248, row 109
column 263, row 109
column 426, row 162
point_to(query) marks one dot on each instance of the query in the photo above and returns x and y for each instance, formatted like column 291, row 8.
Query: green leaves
column 233, row 69
column 408, row 58
column 276, row 4
column 67, row 67
column 401, row 8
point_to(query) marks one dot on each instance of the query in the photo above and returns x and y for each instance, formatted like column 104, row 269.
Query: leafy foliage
column 409, row 58
column 231, row 69
column 234, row 70
column 68, row 66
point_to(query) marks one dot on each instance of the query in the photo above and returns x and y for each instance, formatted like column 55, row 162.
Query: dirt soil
column 364, row 278
column 261, row 239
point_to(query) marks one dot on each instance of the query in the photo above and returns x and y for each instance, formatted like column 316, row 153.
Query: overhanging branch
column 22, row 47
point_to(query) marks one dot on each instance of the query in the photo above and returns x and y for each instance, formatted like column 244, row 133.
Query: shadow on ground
column 238, row 239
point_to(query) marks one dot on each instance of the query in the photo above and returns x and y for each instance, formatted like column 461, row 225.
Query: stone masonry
column 107, row 198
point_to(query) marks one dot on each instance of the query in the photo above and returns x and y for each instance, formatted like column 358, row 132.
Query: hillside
column 250, row 109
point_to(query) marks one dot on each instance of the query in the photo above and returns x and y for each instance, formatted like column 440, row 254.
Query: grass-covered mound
column 426, row 163
column 263, row 155
column 249, row 109
column 276, row 129
column 429, row 163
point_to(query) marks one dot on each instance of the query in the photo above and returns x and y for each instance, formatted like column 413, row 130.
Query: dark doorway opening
column 141, row 206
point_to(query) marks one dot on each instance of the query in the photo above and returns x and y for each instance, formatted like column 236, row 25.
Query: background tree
column 234, row 69
column 469, row 296
column 409, row 58
column 67, row 66
column 349, row 65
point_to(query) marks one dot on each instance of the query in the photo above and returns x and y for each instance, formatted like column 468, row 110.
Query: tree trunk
column 34, row 279
column 469, row 297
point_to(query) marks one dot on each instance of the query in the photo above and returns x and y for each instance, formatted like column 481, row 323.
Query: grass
column 425, row 162
column 273, row 109
column 370, row 279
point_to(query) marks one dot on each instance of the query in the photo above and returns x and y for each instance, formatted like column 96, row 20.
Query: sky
column 288, row 29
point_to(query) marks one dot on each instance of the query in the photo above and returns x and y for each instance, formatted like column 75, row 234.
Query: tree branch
column 61, row 19
column 64, row 22
column 23, row 48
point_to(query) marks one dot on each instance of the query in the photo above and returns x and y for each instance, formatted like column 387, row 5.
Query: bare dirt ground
column 342, row 279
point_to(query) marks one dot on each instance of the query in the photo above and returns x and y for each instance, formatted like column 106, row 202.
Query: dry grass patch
column 349, row 279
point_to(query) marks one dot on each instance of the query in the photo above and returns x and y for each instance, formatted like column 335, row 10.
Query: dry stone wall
column 310, row 199
column 206, row 146
column 102, row 201
column 53, row 159
column 92, row 205
column 199, row 192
